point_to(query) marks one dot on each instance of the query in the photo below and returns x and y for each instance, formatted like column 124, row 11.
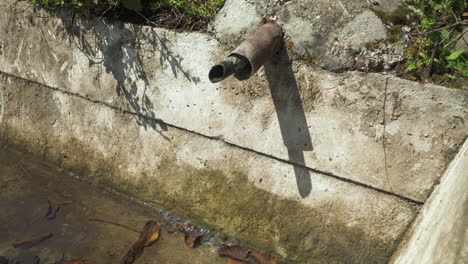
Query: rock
column 236, row 21
column 365, row 28
column 462, row 43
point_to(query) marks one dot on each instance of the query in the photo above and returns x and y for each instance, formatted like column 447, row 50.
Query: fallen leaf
column 237, row 253
column 33, row 241
column 192, row 239
column 148, row 236
column 262, row 259
column 150, row 241
column 54, row 207
column 192, row 234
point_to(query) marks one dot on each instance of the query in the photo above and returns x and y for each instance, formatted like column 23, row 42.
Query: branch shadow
column 291, row 116
column 117, row 48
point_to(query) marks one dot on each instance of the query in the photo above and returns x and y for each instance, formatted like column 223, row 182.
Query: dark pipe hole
column 216, row 73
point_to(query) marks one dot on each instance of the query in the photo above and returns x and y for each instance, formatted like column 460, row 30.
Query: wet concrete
column 26, row 185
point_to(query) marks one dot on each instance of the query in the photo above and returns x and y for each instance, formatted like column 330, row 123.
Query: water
column 26, row 185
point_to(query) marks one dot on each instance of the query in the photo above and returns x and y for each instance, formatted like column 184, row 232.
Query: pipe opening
column 217, row 73
column 231, row 65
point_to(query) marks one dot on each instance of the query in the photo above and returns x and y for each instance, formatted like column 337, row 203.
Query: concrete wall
column 315, row 166
column 440, row 234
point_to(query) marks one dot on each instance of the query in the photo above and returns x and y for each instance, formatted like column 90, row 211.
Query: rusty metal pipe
column 226, row 68
column 251, row 54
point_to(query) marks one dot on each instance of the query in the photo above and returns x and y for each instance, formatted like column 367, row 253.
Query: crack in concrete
column 220, row 139
column 383, row 133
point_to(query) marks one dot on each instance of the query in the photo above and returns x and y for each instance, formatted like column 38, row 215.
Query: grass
column 175, row 14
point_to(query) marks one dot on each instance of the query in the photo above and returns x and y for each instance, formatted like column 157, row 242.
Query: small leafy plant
column 432, row 53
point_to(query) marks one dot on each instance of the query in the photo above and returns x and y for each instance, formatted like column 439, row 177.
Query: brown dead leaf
column 27, row 243
column 152, row 238
column 192, row 234
column 148, row 236
column 263, row 259
column 192, row 239
column 237, row 253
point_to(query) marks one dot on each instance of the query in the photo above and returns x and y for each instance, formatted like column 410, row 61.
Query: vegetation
column 442, row 23
column 180, row 14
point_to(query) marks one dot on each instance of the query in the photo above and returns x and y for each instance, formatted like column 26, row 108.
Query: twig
column 431, row 62
column 463, row 23
column 456, row 39
column 148, row 236
column 33, row 241
column 147, row 20
column 107, row 10
column 113, row 223
column 21, row 165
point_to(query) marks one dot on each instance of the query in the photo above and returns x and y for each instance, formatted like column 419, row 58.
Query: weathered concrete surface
column 334, row 34
column 375, row 130
column 245, row 195
column 440, row 234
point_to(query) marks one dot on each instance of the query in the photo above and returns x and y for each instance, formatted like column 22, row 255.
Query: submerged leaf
column 192, row 238
column 235, row 252
column 150, row 241
column 148, row 235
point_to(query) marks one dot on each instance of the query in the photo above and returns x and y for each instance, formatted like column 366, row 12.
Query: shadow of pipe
column 291, row 116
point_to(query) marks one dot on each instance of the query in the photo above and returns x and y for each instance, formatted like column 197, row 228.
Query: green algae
column 234, row 206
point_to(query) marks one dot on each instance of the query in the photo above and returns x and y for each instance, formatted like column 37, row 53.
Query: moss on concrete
column 233, row 205
column 395, row 20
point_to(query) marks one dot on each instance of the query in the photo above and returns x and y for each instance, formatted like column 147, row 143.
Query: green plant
column 171, row 13
column 190, row 10
column 441, row 27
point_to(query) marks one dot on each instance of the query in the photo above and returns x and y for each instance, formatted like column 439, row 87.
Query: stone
column 365, row 28
column 235, row 22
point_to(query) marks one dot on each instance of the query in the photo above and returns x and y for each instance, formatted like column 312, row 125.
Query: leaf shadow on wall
column 291, row 116
column 114, row 47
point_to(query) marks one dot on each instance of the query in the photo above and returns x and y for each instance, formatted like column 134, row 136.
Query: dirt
column 26, row 185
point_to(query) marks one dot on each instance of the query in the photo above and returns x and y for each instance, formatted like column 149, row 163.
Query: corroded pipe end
column 251, row 54
column 226, row 68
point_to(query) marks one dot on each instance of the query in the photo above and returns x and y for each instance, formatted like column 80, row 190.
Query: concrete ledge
column 440, row 233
